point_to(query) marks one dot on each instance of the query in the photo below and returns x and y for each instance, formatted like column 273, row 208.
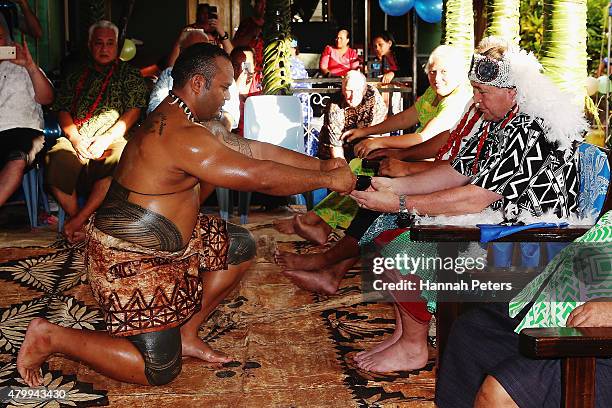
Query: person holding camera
column 26, row 21
column 207, row 21
column 23, row 89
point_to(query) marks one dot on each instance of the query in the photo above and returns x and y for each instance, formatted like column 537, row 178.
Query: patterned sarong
column 143, row 290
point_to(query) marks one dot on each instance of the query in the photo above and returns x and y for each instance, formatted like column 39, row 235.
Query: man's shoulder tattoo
column 231, row 140
column 156, row 123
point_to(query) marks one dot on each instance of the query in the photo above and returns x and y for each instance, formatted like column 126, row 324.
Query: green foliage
column 276, row 34
column 532, row 26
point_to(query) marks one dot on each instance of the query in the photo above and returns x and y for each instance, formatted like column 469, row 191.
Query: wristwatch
column 224, row 36
column 404, row 217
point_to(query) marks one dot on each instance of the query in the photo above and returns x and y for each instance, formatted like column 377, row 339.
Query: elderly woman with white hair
column 437, row 110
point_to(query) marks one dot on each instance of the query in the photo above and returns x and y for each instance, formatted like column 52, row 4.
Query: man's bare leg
column 74, row 227
column 217, row 286
column 390, row 340
column 347, row 247
column 285, row 225
column 114, row 357
column 312, row 227
column 67, row 201
column 10, row 178
column 325, row 281
column 492, row 394
column 409, row 352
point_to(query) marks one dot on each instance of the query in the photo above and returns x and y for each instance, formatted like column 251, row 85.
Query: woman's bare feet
column 34, row 351
column 409, row 352
column 193, row 346
column 317, row 232
column 308, row 262
column 389, row 341
column 285, row 225
column 400, row 356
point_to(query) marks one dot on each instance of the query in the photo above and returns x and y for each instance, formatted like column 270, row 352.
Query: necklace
column 485, row 134
column 463, row 129
column 181, row 103
column 79, row 89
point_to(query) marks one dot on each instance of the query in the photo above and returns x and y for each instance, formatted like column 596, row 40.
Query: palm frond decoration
column 503, row 19
column 563, row 54
column 40, row 273
column 67, row 312
column 458, row 26
column 277, row 44
column 14, row 322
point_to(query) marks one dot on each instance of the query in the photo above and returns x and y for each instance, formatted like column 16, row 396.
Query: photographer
column 23, row 89
column 207, row 19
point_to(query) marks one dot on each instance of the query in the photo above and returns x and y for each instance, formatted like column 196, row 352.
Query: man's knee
column 161, row 352
column 242, row 245
column 492, row 394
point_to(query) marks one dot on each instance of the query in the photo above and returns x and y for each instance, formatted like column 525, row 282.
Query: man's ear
column 199, row 84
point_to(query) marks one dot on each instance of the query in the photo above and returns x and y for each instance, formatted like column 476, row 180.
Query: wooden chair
column 577, row 348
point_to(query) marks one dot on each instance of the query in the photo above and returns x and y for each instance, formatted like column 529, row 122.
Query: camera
column 247, row 67
column 212, row 13
column 8, row 53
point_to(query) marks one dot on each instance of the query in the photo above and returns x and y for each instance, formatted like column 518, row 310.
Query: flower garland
column 79, row 89
column 454, row 141
column 485, row 134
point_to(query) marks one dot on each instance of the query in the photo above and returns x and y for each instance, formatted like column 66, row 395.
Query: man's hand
column 353, row 134
column 389, row 153
column 98, row 146
column 80, row 147
column 596, row 313
column 329, row 165
column 343, row 179
column 393, row 168
column 365, row 147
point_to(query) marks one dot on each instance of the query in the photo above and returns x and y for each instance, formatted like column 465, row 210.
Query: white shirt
column 18, row 107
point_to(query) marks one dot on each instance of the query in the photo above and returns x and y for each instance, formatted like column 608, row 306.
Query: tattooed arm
column 264, row 151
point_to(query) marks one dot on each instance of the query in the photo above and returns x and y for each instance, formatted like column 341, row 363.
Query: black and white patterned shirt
column 519, row 163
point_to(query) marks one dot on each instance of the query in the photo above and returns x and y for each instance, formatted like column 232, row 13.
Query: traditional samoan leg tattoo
column 234, row 142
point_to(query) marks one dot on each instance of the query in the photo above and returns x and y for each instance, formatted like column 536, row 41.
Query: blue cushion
column 594, row 175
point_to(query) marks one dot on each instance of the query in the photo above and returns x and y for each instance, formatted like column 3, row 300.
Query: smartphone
column 8, row 53
column 212, row 13
column 363, row 182
column 247, row 67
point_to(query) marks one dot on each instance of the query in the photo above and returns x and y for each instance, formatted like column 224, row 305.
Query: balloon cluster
column 601, row 85
column 429, row 10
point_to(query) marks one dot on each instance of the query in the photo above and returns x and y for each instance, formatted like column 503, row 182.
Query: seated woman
column 482, row 366
column 339, row 59
column 383, row 49
column 436, row 111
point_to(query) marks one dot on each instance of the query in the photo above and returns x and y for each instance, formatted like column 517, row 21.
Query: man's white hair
column 355, row 77
column 446, row 53
column 103, row 24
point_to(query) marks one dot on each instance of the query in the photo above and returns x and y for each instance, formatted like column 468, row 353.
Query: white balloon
column 591, row 85
column 603, row 84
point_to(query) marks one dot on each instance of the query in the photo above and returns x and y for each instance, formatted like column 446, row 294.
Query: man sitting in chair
column 97, row 105
column 156, row 266
column 23, row 88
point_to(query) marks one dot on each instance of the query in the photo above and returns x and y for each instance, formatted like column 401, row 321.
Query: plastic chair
column 275, row 119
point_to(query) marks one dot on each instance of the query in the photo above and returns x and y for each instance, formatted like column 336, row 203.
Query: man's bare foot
column 74, row 229
column 193, row 346
column 403, row 355
column 34, row 351
column 316, row 233
column 308, row 262
column 389, row 341
column 285, row 225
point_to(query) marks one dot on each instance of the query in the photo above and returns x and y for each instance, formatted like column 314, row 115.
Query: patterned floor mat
column 292, row 348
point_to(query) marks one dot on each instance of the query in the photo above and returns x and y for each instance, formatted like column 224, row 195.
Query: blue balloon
column 396, row 7
column 429, row 10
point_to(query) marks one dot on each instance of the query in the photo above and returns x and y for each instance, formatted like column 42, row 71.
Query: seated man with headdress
column 511, row 153
column 96, row 106
column 157, row 267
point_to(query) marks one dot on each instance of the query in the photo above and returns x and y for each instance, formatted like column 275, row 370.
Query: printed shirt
column 519, row 163
column 126, row 90
column 18, row 107
column 339, row 65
